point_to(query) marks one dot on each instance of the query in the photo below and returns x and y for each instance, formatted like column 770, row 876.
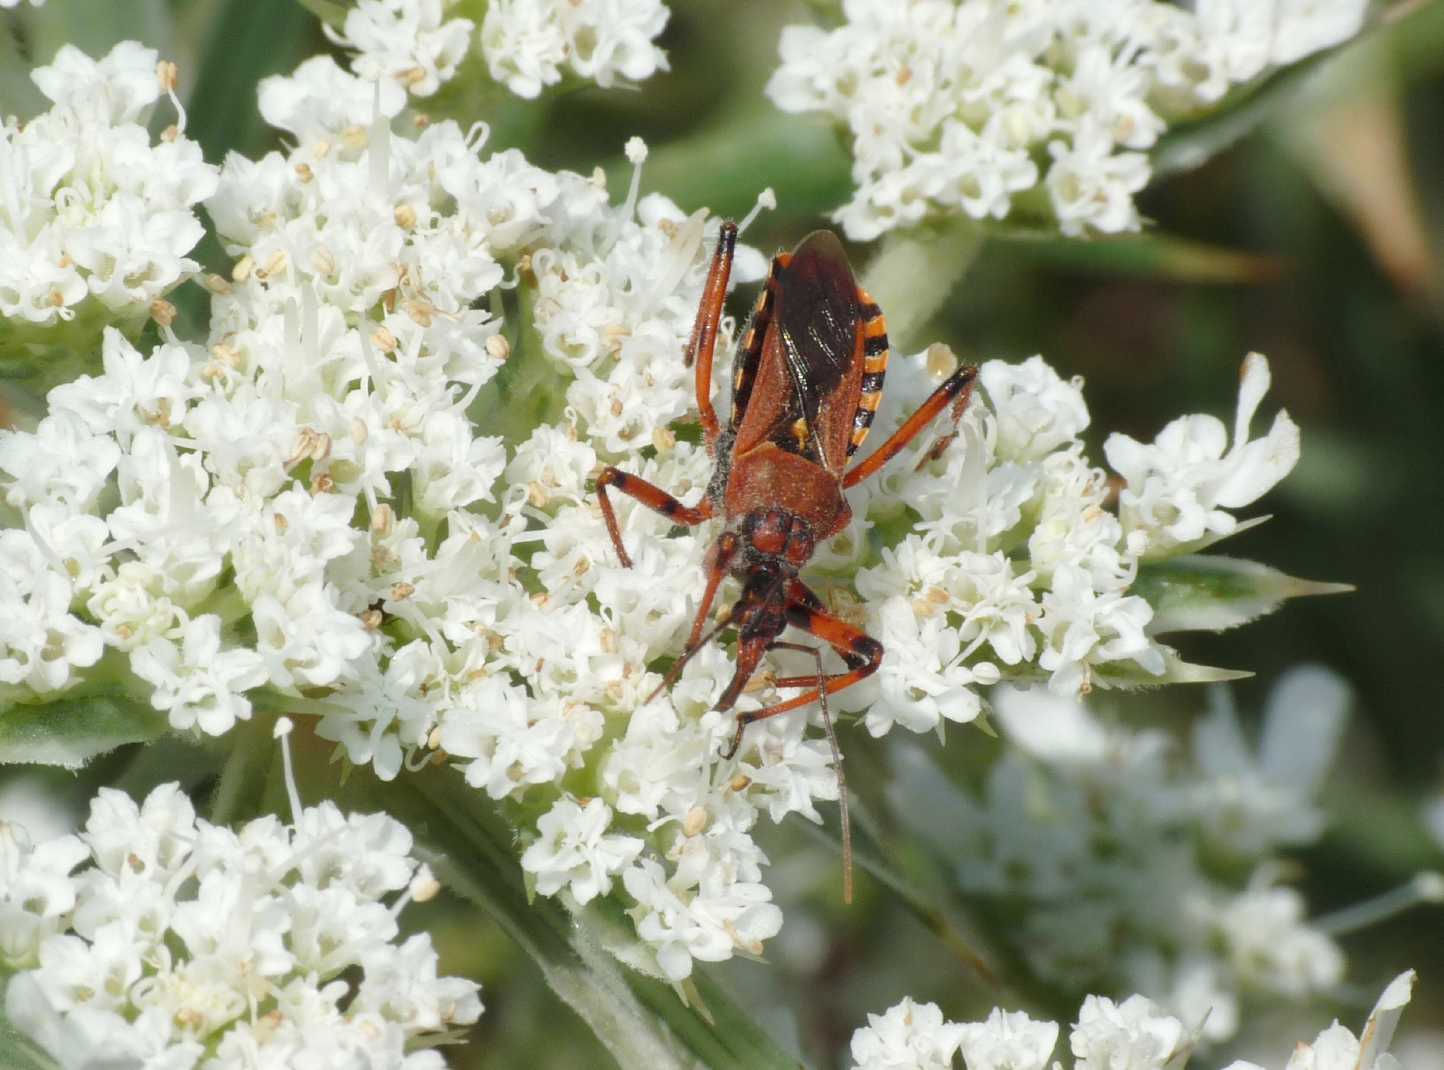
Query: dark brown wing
column 801, row 365
column 818, row 318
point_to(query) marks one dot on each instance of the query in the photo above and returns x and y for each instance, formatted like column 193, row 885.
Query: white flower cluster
column 1179, row 487
column 1015, row 569
column 288, row 506
column 1042, row 108
column 316, row 510
column 182, row 944
column 1093, row 838
column 527, row 42
column 1132, row 1035
column 412, row 45
column 95, row 216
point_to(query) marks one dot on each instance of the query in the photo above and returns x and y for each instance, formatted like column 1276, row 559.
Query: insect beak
column 749, row 656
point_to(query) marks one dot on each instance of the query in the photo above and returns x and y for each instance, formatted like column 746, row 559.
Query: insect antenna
column 676, row 669
column 846, row 823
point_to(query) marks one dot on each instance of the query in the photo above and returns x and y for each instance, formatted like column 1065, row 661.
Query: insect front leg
column 956, row 389
column 653, row 497
column 861, row 651
column 704, row 331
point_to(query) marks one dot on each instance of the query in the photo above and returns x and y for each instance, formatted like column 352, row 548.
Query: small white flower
column 41, row 642
column 320, row 100
column 405, row 42
column 1085, row 629
column 118, row 88
column 1179, row 487
column 1037, row 411
column 1008, row 1041
column 37, row 892
column 574, row 851
column 197, row 683
column 1132, row 1035
column 908, row 1036
column 527, row 42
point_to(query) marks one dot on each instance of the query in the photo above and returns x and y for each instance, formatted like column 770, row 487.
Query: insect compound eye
column 799, row 543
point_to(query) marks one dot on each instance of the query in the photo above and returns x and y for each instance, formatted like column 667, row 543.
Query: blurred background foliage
column 1316, row 238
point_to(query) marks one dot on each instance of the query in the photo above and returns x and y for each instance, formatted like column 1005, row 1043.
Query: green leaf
column 71, row 731
column 642, row 1021
column 248, row 40
column 1152, row 254
column 1212, row 593
column 96, row 28
column 727, row 163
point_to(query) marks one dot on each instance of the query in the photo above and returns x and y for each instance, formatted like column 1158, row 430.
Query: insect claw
column 727, row 753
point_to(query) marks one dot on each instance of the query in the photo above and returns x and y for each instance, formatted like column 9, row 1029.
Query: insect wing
column 818, row 316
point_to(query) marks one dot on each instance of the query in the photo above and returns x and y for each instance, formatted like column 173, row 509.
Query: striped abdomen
column 874, row 368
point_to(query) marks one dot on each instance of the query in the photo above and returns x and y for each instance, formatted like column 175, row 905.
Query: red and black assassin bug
column 807, row 383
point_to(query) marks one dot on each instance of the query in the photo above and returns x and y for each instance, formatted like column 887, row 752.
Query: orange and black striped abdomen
column 749, row 353
column 874, row 368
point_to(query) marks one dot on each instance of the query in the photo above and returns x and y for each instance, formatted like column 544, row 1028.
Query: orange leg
column 718, row 562
column 956, row 388
column 653, row 497
column 861, row 651
column 704, row 331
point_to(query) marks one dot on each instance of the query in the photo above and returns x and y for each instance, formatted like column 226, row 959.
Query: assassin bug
column 807, row 383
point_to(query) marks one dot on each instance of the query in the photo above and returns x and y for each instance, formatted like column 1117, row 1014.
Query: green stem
column 914, row 272
column 251, row 750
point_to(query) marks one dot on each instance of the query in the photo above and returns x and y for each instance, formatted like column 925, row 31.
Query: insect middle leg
column 956, row 388
column 704, row 330
column 861, row 651
column 650, row 495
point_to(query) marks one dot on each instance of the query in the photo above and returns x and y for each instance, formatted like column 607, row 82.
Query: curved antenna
column 676, row 670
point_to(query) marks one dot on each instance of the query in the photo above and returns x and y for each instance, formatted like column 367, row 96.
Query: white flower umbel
column 176, row 941
column 1039, row 110
column 528, row 42
column 1113, row 840
column 97, row 219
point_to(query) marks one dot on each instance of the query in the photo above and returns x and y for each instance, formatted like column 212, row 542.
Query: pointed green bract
column 1213, row 594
